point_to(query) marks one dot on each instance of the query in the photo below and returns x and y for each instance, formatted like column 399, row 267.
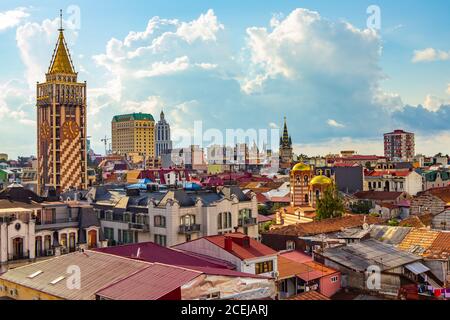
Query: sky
column 342, row 74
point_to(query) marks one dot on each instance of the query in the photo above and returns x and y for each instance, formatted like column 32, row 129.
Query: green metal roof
column 133, row 116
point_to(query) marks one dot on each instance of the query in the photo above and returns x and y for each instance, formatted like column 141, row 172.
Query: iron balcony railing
column 244, row 222
column 188, row 229
column 19, row 256
column 139, row 226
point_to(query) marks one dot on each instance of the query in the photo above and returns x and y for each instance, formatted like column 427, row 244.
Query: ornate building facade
column 163, row 141
column 286, row 153
column 61, row 125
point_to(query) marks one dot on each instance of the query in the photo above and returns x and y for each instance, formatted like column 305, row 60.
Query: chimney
column 246, row 242
column 228, row 244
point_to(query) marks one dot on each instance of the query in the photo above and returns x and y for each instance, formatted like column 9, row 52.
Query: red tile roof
column 378, row 195
column 297, row 256
column 402, row 173
column 325, row 226
column 255, row 250
column 152, row 283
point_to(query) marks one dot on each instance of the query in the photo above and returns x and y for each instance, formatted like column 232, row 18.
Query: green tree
column 331, row 204
column 361, row 207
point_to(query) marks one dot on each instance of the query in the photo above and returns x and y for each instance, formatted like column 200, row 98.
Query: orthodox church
column 306, row 189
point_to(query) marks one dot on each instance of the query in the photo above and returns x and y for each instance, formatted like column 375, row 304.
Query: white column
column 3, row 243
column 32, row 239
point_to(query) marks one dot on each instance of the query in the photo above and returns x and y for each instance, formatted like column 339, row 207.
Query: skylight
column 35, row 274
column 57, row 280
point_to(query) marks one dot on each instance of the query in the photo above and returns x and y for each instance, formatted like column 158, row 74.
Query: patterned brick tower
column 300, row 177
column 61, row 125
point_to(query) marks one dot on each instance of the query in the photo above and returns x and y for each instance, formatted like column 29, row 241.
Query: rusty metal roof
column 151, row 283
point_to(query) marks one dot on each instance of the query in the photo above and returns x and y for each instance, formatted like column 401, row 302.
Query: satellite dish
column 365, row 226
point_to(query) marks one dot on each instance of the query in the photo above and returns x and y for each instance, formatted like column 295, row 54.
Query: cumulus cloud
column 430, row 54
column 334, row 123
column 12, row 18
column 33, row 41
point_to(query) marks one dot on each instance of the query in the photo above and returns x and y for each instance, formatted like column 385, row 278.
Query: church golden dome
column 301, row 167
column 320, row 180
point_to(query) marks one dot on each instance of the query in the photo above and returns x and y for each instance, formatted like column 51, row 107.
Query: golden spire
column 61, row 61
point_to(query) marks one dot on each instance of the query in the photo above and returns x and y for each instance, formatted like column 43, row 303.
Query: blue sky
column 240, row 64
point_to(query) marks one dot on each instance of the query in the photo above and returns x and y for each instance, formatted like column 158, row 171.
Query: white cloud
column 34, row 40
column 152, row 105
column 335, row 124
column 448, row 88
column 12, row 18
column 433, row 103
column 429, row 55
column 273, row 125
column 165, row 68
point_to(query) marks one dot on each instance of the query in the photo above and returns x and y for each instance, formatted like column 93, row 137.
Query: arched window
column 306, row 198
column 306, row 180
column 229, row 225
column 317, row 194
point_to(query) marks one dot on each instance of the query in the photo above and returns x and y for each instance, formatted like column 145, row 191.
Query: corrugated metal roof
column 388, row 234
column 151, row 283
column 310, row 295
column 361, row 255
column 417, row 268
column 97, row 270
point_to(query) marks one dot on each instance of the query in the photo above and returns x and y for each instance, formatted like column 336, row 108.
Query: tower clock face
column 45, row 130
column 70, row 130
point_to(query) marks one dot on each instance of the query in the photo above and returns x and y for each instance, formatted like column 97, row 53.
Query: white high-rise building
column 162, row 136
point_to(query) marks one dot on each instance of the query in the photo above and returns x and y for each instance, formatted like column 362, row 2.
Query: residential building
column 298, row 273
column 399, row 145
column 62, row 124
column 357, row 261
column 133, row 133
column 394, row 180
column 33, row 227
column 223, row 280
column 435, row 179
column 174, row 216
column 434, row 247
column 433, row 201
column 441, row 221
column 305, row 236
column 246, row 254
column 163, row 142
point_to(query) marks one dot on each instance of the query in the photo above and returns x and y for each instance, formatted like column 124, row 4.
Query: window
column 127, row 236
column 109, row 233
column 290, row 245
column 264, row 267
column 334, row 279
column 161, row 240
column 160, row 221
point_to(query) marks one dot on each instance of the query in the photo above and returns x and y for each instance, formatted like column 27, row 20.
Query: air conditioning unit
column 50, row 252
column 275, row 274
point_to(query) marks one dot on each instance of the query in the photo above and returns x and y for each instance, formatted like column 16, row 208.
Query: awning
column 417, row 268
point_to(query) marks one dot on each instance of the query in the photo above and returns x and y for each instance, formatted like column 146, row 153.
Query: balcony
column 139, row 227
column 57, row 223
column 189, row 229
column 247, row 222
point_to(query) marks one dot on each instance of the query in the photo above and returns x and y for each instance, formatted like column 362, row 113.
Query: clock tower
column 61, row 124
